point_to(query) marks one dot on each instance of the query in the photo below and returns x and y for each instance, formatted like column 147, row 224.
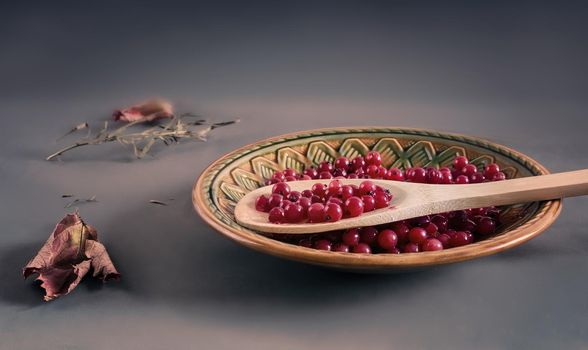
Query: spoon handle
column 526, row 189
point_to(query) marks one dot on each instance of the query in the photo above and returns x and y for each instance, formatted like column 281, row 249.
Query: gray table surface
column 514, row 73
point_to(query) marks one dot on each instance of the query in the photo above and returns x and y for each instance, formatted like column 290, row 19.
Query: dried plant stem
column 65, row 149
column 171, row 132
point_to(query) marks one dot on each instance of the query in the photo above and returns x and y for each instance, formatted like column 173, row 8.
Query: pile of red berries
column 322, row 203
column 328, row 203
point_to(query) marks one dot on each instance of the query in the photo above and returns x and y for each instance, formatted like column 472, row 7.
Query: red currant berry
column 362, row 248
column 342, row 163
column 433, row 176
column 316, row 213
column 281, row 188
column 499, row 176
column 358, row 163
column 417, row 235
column 476, row 178
column 459, row 239
column 346, row 192
column 294, row 196
column 354, row 206
column 411, row 248
column 333, row 212
column 369, row 203
column 381, row 200
column 311, row 172
column 340, row 247
column 290, row 172
column 262, row 203
column 486, row 226
column 418, row 175
column 293, row 213
column 319, row 189
column 305, row 242
column 432, row 244
column 368, row 235
column 334, row 188
column 324, row 175
column 394, row 174
column 351, row 237
column 460, row 162
column 462, row 180
column 275, row 200
column 402, row 231
column 469, row 169
column 373, row 158
column 490, row 170
column 367, row 188
column 387, row 239
column 276, row 215
column 322, row 244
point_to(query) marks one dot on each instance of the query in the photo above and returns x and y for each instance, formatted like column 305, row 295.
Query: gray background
column 511, row 72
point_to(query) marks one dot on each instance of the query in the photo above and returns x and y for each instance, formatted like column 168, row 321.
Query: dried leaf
column 67, row 256
column 146, row 111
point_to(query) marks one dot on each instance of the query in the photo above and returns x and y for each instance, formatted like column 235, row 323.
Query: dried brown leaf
column 66, row 257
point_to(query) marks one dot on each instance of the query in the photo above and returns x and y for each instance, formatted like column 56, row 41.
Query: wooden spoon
column 413, row 200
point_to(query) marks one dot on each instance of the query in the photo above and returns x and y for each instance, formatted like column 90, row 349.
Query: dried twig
column 83, row 200
column 154, row 201
column 175, row 130
column 74, row 129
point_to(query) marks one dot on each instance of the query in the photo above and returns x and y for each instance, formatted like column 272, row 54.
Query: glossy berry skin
column 369, row 203
column 367, row 188
column 306, row 193
column 460, row 162
column 411, row 248
column 368, row 235
column 342, row 163
column 373, row 158
column 444, row 239
column 486, row 226
column 293, row 213
column 319, row 189
column 339, row 173
column 305, row 204
column 441, row 222
column 462, row 180
column 290, row 172
column 335, row 200
column 418, row 175
column 294, row 196
column 432, row 244
column 433, row 176
column 490, row 170
column 346, row 192
column 381, row 200
column 340, row 247
column 334, row 188
column 417, row 235
column 362, row 248
column 323, row 244
column 499, row 176
column 373, row 171
column 358, row 163
column 325, row 175
column 354, row 207
column 351, row 237
column 311, row 172
column 431, row 229
column 460, row 238
column 325, row 166
column 275, row 200
column 316, row 212
column 394, row 174
column 281, row 188
column 276, row 215
column 290, row 178
column 262, row 203
column 401, row 230
column 333, row 212
column 469, row 169
column 476, row 178
column 387, row 239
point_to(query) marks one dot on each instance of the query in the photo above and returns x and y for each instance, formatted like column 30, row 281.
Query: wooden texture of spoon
column 413, row 200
